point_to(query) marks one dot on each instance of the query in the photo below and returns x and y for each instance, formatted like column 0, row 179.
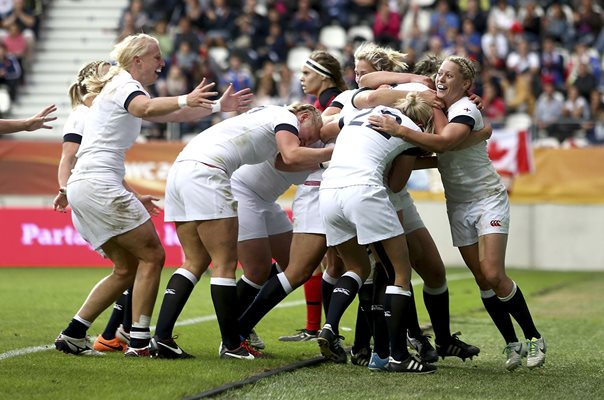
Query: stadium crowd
column 533, row 53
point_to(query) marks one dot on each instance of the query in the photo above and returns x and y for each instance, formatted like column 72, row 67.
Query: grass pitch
column 37, row 303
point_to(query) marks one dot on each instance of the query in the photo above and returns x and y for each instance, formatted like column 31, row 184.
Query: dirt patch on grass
column 583, row 297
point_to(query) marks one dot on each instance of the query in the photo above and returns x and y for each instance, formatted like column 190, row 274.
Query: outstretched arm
column 38, row 121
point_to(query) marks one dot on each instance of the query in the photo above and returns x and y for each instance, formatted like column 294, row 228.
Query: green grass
column 37, row 304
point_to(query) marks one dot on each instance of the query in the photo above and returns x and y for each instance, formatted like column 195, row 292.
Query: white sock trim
column 287, row 287
column 329, row 279
column 249, row 282
column 187, row 274
column 223, row 281
column 278, row 267
column 82, row 320
column 512, row 293
column 435, row 291
column 354, row 276
column 392, row 289
column 486, row 294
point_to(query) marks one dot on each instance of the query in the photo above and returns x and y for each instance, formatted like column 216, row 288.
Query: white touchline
column 207, row 318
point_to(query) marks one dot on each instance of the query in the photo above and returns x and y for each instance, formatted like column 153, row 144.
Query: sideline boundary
column 255, row 378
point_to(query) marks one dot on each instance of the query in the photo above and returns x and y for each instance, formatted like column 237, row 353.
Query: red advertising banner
column 45, row 238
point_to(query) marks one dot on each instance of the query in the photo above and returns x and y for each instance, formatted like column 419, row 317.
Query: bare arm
column 426, row 162
column 296, row 156
column 169, row 108
column 400, row 171
column 388, row 96
column 476, row 137
column 450, row 137
column 330, row 131
column 68, row 160
column 33, row 123
column 147, row 200
column 376, row 79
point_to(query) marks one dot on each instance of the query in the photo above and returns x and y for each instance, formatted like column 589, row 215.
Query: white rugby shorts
column 470, row 220
column 306, row 211
column 362, row 211
column 402, row 201
column 198, row 192
column 258, row 218
column 103, row 209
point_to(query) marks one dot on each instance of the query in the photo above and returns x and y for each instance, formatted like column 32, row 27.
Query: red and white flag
column 511, row 153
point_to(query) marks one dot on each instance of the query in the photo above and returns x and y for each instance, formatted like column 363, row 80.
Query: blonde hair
column 330, row 63
column 467, row 67
column 381, row 58
column 418, row 109
column 428, row 66
column 300, row 108
column 79, row 91
column 123, row 53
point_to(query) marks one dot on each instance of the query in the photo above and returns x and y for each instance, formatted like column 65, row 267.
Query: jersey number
column 355, row 121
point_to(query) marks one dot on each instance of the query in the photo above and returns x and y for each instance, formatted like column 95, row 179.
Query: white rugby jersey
column 362, row 154
column 74, row 125
column 110, row 130
column 468, row 174
column 248, row 138
column 344, row 101
column 265, row 180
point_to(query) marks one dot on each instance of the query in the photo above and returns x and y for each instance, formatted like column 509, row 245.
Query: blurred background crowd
column 540, row 59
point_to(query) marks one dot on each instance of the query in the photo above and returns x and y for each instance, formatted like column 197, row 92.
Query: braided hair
column 79, row 91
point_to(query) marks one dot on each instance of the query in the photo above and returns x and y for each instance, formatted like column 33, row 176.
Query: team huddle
column 350, row 155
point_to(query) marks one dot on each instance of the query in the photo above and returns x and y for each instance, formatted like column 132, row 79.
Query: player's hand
column 60, row 203
column 39, row 120
column 149, row 203
column 238, row 101
column 201, row 96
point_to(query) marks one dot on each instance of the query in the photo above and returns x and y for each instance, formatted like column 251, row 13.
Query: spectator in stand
column 583, row 54
column 10, row 72
column 188, row 60
column 16, row 44
column 25, row 20
column 475, row 13
column 415, row 23
column 585, row 81
column 266, row 90
column 548, row 110
column 305, row 25
column 502, row 15
column 195, row 13
column 415, row 40
column 552, row 63
column 386, row 25
column 219, row 23
column 492, row 101
column 335, row 11
column 471, row 40
column 558, row 26
column 185, row 32
column 587, row 21
column 529, row 16
column 595, row 130
column 576, row 112
column 126, row 27
column 140, row 19
column 237, row 74
column 361, row 11
column 275, row 45
column 442, row 19
column 523, row 68
column 494, row 37
column 163, row 36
